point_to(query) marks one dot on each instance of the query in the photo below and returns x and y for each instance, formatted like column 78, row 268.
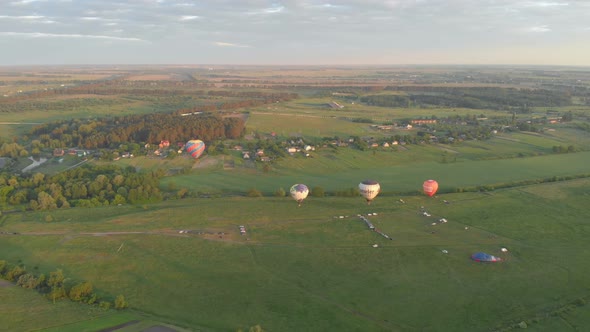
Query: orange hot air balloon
column 430, row 187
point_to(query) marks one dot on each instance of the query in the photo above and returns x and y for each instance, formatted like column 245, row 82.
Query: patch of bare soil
column 120, row 326
column 205, row 162
column 5, row 283
column 159, row 328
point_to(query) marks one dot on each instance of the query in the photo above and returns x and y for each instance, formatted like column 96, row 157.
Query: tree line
column 149, row 128
column 474, row 97
column 85, row 186
column 56, row 286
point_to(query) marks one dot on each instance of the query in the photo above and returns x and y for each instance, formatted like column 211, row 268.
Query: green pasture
column 25, row 310
column 286, row 125
column 320, row 107
column 395, row 171
column 52, row 109
column 17, row 129
column 308, row 269
column 144, row 163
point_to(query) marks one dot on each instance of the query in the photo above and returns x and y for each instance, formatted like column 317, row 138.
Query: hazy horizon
column 295, row 32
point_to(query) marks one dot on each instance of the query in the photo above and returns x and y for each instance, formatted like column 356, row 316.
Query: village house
column 58, row 152
column 423, row 121
column 335, row 105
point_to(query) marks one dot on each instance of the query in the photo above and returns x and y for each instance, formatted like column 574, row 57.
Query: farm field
column 308, row 269
column 347, row 169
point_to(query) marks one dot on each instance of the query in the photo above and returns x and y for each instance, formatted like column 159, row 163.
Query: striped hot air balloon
column 430, row 187
column 195, row 148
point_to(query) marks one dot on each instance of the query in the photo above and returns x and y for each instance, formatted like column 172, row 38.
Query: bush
column 120, row 302
column 350, row 192
column 57, row 293
column 3, row 266
column 15, row 273
column 280, row 192
column 105, row 305
column 81, row 292
column 92, row 299
column 254, row 193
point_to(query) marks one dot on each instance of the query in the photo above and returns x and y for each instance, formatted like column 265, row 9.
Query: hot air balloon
column 483, row 257
column 430, row 187
column 195, row 148
column 299, row 192
column 369, row 189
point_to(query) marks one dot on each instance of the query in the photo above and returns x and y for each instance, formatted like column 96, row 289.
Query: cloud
column 342, row 30
column 273, row 10
column 544, row 4
column 188, row 17
column 24, row 2
column 224, row 44
column 64, row 35
column 22, row 17
column 540, row 28
column 184, row 4
column 267, row 11
column 29, row 19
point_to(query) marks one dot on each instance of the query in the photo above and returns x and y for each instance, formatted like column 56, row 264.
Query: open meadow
column 316, row 268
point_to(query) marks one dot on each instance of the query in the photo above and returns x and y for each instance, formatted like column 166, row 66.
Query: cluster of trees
column 564, row 149
column 387, row 100
column 472, row 97
column 57, row 287
column 85, row 186
column 150, row 128
column 12, row 150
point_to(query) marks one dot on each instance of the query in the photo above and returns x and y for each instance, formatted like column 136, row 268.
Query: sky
column 295, row 32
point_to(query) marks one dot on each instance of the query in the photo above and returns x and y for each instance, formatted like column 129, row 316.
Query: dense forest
column 85, row 186
column 150, row 128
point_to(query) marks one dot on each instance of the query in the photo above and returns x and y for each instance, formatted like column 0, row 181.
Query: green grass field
column 25, row 310
column 304, row 269
column 397, row 172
